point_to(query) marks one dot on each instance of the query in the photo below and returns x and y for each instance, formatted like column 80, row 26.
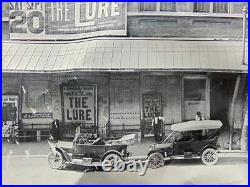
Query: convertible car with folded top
column 192, row 139
column 88, row 152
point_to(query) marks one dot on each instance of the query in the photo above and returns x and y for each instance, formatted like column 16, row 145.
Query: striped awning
column 123, row 54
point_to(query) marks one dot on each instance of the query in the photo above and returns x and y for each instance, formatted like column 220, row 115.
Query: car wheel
column 209, row 157
column 155, row 160
column 55, row 160
column 113, row 162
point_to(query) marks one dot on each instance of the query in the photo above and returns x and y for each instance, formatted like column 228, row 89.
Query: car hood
column 161, row 145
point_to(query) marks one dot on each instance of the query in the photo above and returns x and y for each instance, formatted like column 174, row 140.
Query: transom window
column 211, row 7
column 158, row 6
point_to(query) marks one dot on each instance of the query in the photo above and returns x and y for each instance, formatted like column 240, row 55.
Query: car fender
column 112, row 151
column 157, row 151
column 207, row 146
column 64, row 154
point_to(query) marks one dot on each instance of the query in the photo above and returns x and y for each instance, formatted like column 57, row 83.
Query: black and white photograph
column 124, row 93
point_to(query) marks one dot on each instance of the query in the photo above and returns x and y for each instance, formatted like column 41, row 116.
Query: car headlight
column 152, row 147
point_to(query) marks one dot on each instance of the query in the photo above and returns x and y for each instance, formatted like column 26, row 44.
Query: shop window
column 168, row 6
column 211, row 7
column 148, row 6
column 37, row 95
column 195, row 89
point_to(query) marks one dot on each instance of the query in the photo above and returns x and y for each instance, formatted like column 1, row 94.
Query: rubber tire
column 109, row 156
column 51, row 160
column 155, row 160
column 212, row 154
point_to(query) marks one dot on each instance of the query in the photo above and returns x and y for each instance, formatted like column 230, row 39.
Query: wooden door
column 124, row 104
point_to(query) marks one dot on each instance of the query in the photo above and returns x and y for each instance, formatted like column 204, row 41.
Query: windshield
column 172, row 136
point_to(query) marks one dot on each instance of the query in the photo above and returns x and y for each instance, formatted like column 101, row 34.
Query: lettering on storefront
column 37, row 115
column 79, row 104
column 66, row 20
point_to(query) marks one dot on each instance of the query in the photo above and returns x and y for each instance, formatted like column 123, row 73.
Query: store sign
column 151, row 105
column 37, row 115
column 79, row 104
column 66, row 20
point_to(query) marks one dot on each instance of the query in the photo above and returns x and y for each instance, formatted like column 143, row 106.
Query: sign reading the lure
column 79, row 104
column 66, row 20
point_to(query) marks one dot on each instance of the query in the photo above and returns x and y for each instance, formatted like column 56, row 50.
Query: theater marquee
column 79, row 104
column 66, row 20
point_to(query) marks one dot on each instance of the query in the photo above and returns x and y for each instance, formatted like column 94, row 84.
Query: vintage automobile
column 192, row 139
column 88, row 153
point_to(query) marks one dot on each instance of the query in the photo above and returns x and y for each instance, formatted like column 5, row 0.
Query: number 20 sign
column 27, row 18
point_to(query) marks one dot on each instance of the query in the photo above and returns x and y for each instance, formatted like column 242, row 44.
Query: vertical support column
column 38, row 135
column 232, row 111
column 244, row 12
column 182, row 97
column 208, row 98
column 107, row 128
column 142, row 124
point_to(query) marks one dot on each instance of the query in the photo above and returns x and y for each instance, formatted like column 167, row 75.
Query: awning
column 124, row 54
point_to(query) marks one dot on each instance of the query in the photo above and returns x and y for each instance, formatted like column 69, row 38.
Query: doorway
column 196, row 97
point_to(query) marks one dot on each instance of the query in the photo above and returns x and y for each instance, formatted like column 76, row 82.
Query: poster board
column 151, row 105
column 66, row 20
column 79, row 104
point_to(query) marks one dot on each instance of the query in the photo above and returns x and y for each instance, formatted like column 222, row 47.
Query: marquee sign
column 66, row 20
column 79, row 104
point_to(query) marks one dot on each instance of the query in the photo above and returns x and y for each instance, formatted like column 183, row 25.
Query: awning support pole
column 244, row 11
column 232, row 111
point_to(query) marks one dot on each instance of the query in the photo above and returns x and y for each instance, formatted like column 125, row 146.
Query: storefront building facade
column 166, row 62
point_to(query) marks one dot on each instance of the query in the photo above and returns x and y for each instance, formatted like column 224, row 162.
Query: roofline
column 121, row 38
column 129, row 70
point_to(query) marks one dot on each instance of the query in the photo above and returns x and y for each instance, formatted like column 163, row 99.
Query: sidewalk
column 38, row 149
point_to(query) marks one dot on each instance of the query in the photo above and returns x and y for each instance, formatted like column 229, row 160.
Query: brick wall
column 195, row 27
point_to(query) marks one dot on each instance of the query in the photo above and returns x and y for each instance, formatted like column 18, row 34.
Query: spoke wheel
column 155, row 160
column 209, row 157
column 55, row 160
column 114, row 163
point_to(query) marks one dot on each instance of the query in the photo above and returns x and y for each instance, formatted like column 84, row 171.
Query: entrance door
column 195, row 97
column 124, row 104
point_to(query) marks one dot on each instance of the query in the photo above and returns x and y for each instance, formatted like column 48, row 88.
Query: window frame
column 211, row 8
column 158, row 7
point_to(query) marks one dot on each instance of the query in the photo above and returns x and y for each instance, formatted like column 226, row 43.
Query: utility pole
column 244, row 12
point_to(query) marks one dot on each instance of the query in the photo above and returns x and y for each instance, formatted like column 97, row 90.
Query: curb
column 24, row 156
column 220, row 155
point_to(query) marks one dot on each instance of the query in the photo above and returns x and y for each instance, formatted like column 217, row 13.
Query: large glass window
column 168, row 6
column 220, row 7
column 201, row 7
column 148, row 6
column 212, row 7
column 37, row 95
column 194, row 89
column 163, row 6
